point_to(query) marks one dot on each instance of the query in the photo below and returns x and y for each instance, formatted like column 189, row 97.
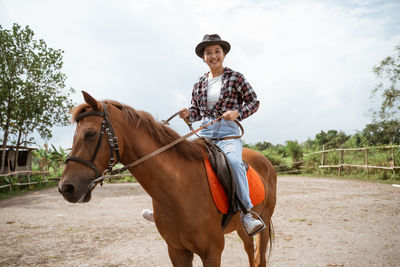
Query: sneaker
column 251, row 226
column 148, row 215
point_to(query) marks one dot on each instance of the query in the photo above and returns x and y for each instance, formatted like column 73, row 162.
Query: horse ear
column 91, row 101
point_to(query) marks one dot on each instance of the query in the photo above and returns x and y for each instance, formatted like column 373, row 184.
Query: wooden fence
column 28, row 175
column 297, row 170
column 300, row 166
column 341, row 164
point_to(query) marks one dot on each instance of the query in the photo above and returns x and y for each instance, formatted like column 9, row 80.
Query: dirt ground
column 318, row 222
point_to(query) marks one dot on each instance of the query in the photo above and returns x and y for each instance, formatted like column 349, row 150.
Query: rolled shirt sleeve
column 250, row 103
column 236, row 94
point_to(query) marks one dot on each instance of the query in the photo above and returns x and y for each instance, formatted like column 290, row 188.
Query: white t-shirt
column 213, row 90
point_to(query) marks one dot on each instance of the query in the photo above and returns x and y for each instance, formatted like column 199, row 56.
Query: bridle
column 106, row 127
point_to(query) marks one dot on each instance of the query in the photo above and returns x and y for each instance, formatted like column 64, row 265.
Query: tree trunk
column 5, row 137
column 11, row 91
column 17, row 149
column 4, row 145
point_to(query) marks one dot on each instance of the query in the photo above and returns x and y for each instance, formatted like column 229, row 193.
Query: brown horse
column 184, row 211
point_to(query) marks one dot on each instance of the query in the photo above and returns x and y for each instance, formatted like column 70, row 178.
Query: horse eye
column 90, row 134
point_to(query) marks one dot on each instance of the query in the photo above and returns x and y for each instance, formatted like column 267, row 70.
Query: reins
column 166, row 122
column 113, row 145
column 148, row 156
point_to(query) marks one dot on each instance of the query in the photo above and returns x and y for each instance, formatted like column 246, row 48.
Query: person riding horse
column 223, row 92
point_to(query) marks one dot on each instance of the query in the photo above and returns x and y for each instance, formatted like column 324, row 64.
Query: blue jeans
column 233, row 150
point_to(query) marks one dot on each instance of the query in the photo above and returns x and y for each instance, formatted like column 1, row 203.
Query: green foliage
column 377, row 156
column 357, row 140
column 330, row 139
column 384, row 132
column 41, row 158
column 33, row 96
column 294, row 150
column 274, row 156
column 5, row 193
column 49, row 159
column 44, row 159
column 125, row 179
column 58, row 158
column 374, row 136
column 388, row 71
column 262, row 146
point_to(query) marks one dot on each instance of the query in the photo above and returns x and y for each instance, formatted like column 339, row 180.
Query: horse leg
column 212, row 259
column 180, row 257
column 262, row 242
column 211, row 251
column 248, row 245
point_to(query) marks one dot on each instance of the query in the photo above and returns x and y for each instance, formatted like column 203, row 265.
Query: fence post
column 393, row 159
column 323, row 156
column 29, row 181
column 341, row 160
column 366, row 159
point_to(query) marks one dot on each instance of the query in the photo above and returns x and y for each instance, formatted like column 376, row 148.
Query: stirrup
column 259, row 230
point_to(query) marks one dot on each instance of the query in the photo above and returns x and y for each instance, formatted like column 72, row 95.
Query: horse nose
column 67, row 189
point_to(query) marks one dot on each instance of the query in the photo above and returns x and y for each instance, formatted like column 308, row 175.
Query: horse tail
column 271, row 236
column 262, row 244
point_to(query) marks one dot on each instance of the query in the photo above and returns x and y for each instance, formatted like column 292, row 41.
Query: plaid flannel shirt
column 236, row 94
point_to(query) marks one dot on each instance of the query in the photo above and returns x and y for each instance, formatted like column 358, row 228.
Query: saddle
column 222, row 186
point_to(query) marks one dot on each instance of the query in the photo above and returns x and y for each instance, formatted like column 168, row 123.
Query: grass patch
column 19, row 190
column 392, row 179
column 125, row 179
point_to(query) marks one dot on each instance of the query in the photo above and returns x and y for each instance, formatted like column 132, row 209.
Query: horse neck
column 160, row 175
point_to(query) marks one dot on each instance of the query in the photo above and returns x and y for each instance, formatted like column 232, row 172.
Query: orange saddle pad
column 256, row 187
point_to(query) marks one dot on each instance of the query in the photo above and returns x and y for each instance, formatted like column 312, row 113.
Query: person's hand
column 230, row 115
column 184, row 113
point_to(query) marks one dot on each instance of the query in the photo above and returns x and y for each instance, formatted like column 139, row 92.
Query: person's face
column 214, row 56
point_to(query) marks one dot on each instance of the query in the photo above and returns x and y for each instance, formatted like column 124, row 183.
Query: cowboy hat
column 212, row 39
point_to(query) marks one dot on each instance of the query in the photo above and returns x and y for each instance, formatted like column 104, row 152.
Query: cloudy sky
column 310, row 62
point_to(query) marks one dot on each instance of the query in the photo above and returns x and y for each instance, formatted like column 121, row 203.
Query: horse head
column 92, row 153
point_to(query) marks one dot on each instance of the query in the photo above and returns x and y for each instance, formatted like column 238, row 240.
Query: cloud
column 315, row 65
column 310, row 62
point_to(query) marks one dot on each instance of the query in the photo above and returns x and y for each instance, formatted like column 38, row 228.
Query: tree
column 294, row 150
column 389, row 87
column 331, row 139
column 382, row 133
column 336, row 139
column 261, row 146
column 357, row 140
column 33, row 96
column 58, row 158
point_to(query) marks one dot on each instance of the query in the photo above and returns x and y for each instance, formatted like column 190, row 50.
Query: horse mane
column 75, row 111
column 158, row 131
